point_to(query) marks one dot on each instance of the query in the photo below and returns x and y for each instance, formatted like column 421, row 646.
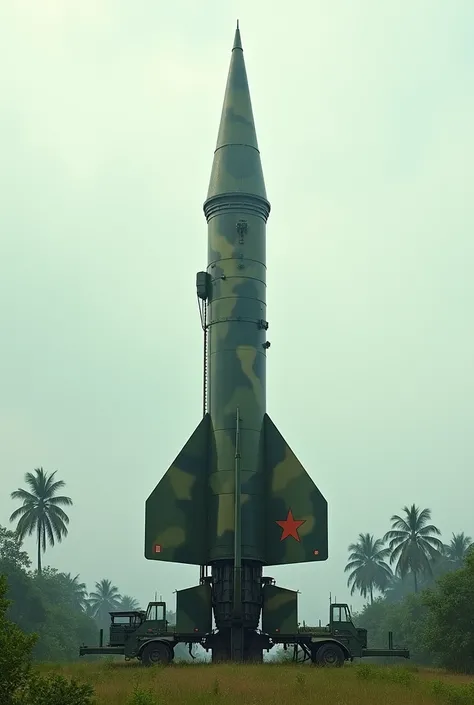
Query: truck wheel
column 330, row 655
column 155, row 653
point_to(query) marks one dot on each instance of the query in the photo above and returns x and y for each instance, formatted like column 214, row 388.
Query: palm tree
column 41, row 510
column 458, row 548
column 77, row 590
column 106, row 599
column 413, row 543
column 89, row 609
column 129, row 604
column 367, row 563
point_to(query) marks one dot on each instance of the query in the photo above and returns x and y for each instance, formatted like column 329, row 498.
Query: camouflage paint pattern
column 236, row 210
column 279, row 611
column 190, row 516
column 176, row 510
column 290, row 488
column 194, row 610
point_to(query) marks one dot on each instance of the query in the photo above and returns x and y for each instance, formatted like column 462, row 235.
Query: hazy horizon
column 109, row 120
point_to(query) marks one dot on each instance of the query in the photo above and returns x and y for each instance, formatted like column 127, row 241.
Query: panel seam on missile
column 232, row 350
column 236, row 144
column 230, row 259
column 240, row 276
column 238, row 298
column 230, row 319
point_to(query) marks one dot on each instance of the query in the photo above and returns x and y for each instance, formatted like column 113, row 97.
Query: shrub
column 56, row 690
column 365, row 671
column 15, row 652
column 141, row 697
column 453, row 694
column 18, row 685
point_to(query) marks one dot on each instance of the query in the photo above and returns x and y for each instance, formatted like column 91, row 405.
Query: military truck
column 148, row 637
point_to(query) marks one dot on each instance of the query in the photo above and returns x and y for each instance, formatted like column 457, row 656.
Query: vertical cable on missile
column 203, row 314
column 205, row 365
column 237, row 525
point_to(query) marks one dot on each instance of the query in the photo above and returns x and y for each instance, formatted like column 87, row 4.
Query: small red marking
column 316, row 553
column 157, row 548
column 290, row 526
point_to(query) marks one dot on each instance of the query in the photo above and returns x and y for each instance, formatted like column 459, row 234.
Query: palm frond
column 354, row 568
column 24, row 509
column 49, row 529
column 399, row 523
column 58, row 525
column 431, row 529
column 60, row 500
column 423, row 517
column 23, row 495
column 26, row 525
column 394, row 535
column 60, row 514
column 52, row 488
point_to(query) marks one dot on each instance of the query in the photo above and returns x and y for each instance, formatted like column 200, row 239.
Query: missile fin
column 176, row 510
column 279, row 610
column 296, row 511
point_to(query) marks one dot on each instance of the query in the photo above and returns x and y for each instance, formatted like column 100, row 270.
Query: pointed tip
column 237, row 166
column 237, row 39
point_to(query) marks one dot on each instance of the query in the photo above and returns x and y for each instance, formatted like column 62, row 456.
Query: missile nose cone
column 237, row 39
column 237, row 166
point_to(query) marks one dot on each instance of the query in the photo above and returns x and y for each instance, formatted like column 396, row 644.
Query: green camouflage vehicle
column 147, row 636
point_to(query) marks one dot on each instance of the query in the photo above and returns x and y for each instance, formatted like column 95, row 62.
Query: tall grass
column 269, row 684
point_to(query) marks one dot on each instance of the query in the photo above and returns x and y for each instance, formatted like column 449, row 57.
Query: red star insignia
column 290, row 526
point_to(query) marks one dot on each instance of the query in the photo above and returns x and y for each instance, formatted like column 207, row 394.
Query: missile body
column 236, row 211
column 236, row 497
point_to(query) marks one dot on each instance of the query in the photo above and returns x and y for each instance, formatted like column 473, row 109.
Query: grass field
column 272, row 684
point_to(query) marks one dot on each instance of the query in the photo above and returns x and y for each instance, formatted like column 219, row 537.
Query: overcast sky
column 108, row 120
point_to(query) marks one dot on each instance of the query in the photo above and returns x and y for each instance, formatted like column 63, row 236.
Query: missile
column 236, row 499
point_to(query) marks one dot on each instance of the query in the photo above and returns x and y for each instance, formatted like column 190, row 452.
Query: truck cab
column 155, row 618
column 339, row 640
column 123, row 625
column 343, row 629
column 147, row 623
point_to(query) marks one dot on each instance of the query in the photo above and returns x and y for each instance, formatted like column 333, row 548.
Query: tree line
column 417, row 586
column 414, row 549
column 425, row 590
column 54, row 605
